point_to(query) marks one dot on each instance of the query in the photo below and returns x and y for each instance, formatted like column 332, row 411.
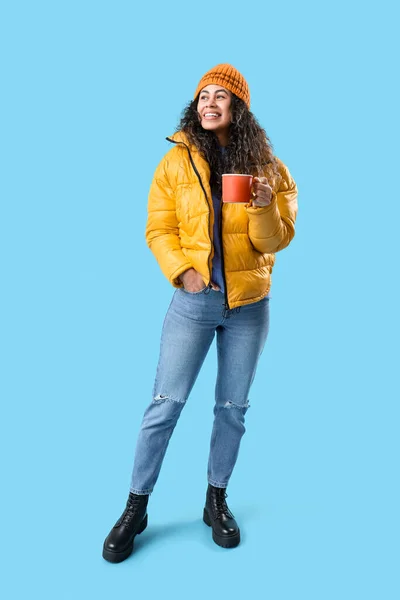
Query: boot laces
column 221, row 505
column 131, row 509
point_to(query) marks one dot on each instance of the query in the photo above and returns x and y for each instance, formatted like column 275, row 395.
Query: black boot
column 118, row 545
column 225, row 531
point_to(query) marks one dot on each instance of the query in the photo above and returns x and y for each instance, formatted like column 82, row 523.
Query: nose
column 211, row 102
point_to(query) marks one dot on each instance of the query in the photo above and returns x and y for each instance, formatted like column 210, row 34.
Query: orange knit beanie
column 229, row 78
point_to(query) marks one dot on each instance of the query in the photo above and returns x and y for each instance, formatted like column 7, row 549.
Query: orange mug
column 236, row 187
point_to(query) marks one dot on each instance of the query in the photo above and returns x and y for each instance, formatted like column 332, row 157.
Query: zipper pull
column 225, row 311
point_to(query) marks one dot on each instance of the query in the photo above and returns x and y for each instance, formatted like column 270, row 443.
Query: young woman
column 219, row 257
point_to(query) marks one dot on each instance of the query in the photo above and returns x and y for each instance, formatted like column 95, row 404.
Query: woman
column 219, row 257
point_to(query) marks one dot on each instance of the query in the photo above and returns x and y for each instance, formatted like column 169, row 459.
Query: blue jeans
column 188, row 331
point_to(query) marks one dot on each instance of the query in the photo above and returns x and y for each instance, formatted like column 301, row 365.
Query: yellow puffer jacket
column 179, row 228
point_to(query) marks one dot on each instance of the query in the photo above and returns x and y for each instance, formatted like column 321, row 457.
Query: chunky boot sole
column 116, row 557
column 230, row 541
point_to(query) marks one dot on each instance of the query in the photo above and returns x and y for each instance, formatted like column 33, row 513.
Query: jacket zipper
column 209, row 229
column 222, row 258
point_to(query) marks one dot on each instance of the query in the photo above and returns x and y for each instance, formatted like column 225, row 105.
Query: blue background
column 90, row 90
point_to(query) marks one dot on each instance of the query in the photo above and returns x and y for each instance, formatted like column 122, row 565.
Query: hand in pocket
column 193, row 281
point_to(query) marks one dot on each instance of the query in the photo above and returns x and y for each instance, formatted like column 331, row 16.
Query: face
column 214, row 108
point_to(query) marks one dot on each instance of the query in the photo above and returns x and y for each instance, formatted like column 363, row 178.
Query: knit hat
column 229, row 78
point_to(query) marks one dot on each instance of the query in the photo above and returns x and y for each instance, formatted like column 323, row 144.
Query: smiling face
column 215, row 112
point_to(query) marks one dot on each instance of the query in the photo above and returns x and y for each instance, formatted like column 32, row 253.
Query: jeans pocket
column 195, row 293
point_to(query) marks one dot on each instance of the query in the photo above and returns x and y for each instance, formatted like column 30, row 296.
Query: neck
column 223, row 138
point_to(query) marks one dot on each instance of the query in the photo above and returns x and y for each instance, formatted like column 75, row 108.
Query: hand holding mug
column 240, row 187
column 262, row 192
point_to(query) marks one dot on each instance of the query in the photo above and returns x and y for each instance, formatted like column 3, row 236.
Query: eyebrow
column 216, row 91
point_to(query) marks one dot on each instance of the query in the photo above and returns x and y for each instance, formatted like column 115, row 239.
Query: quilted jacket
column 179, row 228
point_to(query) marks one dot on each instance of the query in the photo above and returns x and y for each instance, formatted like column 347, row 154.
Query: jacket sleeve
column 271, row 228
column 162, row 232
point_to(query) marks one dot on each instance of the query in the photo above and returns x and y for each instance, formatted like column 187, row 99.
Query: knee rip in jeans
column 164, row 398
column 229, row 404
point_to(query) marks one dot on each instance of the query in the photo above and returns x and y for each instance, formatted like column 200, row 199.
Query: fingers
column 261, row 184
column 262, row 191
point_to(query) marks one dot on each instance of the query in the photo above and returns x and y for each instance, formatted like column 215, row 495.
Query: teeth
column 211, row 115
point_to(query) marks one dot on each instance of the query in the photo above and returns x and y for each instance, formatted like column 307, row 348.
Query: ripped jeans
column 188, row 331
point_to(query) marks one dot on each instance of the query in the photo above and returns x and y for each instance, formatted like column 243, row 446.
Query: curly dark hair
column 249, row 149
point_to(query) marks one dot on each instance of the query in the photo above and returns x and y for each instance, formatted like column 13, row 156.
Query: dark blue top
column 216, row 273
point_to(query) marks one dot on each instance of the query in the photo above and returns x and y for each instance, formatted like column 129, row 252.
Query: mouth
column 211, row 116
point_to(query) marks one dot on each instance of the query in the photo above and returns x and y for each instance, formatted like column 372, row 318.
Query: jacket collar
column 199, row 162
column 180, row 136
